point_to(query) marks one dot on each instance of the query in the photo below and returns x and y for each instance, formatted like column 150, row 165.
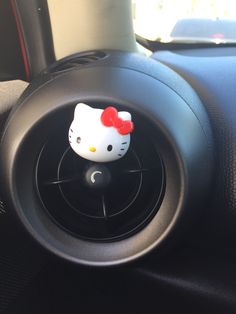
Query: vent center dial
column 98, row 177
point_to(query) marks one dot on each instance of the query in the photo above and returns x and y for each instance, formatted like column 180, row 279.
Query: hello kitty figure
column 100, row 135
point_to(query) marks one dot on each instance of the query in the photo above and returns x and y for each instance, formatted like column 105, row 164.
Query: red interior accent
column 21, row 39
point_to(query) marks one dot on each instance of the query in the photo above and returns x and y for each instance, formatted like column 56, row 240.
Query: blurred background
column 156, row 19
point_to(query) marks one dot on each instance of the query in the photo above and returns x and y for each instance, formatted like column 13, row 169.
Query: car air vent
column 76, row 60
column 100, row 202
column 104, row 214
column 2, row 208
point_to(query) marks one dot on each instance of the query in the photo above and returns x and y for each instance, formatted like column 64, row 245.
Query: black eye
column 78, row 140
column 109, row 148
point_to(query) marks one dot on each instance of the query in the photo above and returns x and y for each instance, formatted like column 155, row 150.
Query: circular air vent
column 136, row 204
column 100, row 202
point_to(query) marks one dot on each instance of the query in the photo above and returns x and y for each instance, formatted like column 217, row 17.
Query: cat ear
column 124, row 115
column 82, row 110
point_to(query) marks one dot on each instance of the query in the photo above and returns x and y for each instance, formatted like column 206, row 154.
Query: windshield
column 186, row 20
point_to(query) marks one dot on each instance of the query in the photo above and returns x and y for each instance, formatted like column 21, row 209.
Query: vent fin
column 80, row 59
column 126, row 205
column 2, row 208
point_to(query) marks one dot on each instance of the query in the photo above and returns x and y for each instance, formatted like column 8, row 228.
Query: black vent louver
column 77, row 60
column 2, row 208
column 125, row 206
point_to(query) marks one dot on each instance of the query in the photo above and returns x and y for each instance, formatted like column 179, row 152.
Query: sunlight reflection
column 155, row 19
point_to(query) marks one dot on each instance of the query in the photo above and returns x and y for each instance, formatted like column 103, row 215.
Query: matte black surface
column 212, row 73
column 125, row 205
column 182, row 282
column 11, row 64
column 198, row 279
column 35, row 23
column 19, row 260
column 171, row 112
column 179, row 46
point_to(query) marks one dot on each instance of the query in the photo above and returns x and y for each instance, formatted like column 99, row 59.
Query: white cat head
column 100, row 135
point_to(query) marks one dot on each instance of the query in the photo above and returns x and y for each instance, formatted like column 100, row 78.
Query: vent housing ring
column 129, row 201
column 173, row 142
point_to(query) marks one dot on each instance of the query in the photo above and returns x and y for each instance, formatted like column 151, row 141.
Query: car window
column 186, row 21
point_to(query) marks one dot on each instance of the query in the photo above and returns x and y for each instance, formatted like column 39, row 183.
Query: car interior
column 117, row 163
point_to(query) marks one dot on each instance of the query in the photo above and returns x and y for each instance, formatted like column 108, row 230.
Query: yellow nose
column 92, row 149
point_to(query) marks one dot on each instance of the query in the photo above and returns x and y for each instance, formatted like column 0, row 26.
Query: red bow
column 110, row 117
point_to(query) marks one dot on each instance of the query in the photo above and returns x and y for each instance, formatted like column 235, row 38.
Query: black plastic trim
column 35, row 22
column 147, row 89
column 11, row 65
